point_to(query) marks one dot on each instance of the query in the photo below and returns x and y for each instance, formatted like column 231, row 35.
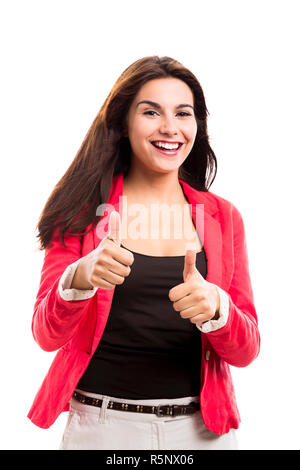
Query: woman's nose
column 168, row 125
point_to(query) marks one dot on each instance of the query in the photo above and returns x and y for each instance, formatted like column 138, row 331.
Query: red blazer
column 75, row 327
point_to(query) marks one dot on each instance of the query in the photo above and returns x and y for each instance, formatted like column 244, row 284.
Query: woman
column 146, row 325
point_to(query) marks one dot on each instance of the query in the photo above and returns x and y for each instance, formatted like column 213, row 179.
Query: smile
column 166, row 148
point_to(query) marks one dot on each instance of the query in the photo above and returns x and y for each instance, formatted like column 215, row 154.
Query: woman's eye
column 181, row 112
column 147, row 112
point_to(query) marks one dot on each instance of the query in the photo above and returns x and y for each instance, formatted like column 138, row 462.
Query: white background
column 59, row 60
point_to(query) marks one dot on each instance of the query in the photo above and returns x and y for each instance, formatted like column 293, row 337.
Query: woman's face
column 170, row 118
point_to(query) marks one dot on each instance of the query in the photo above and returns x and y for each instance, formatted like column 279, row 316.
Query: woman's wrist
column 79, row 280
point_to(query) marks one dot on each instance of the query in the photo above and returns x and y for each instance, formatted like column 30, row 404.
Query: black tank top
column 147, row 350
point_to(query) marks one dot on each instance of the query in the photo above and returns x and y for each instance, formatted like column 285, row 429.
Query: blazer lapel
column 208, row 228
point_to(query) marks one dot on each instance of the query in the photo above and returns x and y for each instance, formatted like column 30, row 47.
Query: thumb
column 114, row 227
column 189, row 265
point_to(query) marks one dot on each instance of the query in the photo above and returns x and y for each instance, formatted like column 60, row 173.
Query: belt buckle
column 159, row 412
column 171, row 410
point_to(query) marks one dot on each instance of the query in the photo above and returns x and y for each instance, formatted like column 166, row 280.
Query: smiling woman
column 106, row 149
column 145, row 328
column 167, row 131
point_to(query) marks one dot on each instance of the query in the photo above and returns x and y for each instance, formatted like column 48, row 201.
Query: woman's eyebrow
column 157, row 106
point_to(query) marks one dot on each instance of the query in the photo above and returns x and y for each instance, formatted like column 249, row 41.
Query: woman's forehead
column 165, row 90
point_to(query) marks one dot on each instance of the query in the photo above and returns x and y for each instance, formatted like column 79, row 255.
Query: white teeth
column 167, row 146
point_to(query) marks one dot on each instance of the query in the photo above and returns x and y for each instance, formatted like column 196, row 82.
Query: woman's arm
column 56, row 319
column 238, row 341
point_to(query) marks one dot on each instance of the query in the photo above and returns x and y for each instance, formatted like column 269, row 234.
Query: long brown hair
column 105, row 151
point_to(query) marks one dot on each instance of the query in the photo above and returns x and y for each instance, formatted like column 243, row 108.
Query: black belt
column 161, row 410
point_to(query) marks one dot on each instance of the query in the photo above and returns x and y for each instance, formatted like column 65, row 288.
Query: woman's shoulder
column 228, row 211
column 214, row 202
column 219, row 202
column 224, row 209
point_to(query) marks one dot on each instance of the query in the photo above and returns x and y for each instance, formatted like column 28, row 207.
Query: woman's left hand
column 195, row 299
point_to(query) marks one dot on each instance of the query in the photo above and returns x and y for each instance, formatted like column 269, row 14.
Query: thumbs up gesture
column 195, row 299
column 108, row 264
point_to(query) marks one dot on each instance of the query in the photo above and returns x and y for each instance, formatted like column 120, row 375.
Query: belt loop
column 102, row 414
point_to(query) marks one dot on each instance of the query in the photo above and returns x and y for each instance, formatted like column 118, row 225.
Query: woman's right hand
column 108, row 264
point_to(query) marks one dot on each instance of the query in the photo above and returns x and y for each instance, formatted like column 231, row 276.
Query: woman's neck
column 163, row 189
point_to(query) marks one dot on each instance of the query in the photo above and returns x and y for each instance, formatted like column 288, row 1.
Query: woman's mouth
column 167, row 149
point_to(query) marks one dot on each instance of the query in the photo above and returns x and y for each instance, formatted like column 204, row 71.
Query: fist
column 109, row 263
column 195, row 299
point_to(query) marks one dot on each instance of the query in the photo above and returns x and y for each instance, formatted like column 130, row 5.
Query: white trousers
column 92, row 428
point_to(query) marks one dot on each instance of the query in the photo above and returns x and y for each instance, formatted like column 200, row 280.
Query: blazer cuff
column 65, row 282
column 212, row 325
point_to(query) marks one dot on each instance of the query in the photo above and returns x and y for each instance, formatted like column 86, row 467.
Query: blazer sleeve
column 238, row 341
column 55, row 320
